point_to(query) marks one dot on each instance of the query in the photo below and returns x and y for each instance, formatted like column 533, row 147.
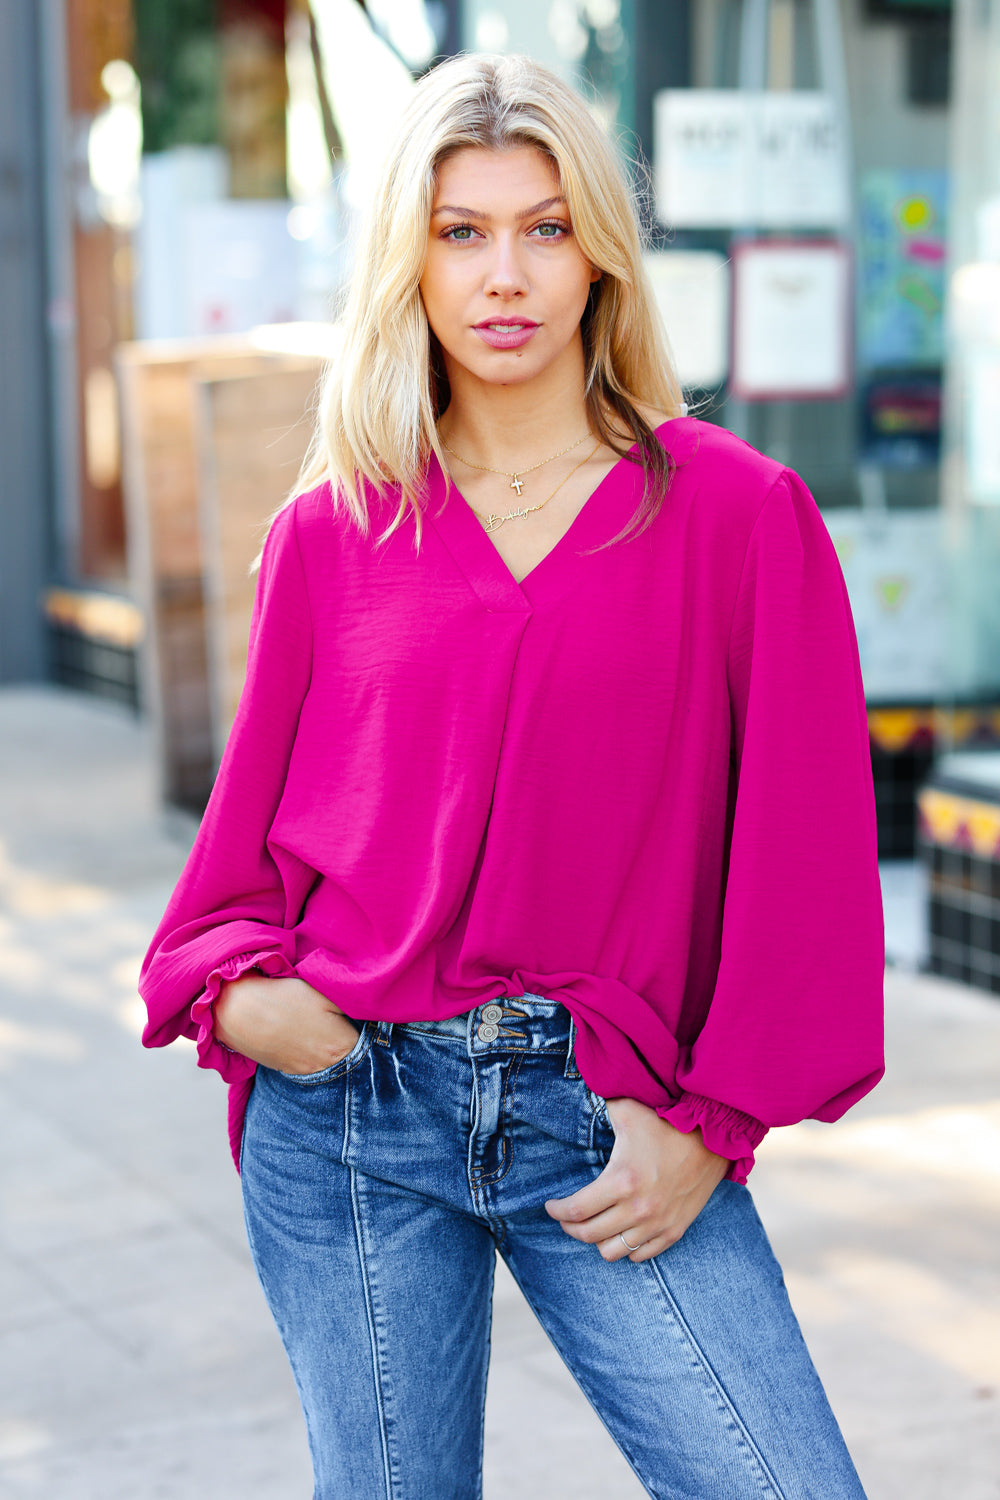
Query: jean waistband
column 518, row 1023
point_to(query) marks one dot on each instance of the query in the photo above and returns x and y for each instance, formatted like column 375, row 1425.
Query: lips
column 506, row 333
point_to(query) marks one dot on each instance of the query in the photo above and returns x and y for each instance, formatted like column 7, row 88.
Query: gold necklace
column 516, row 482
column 492, row 522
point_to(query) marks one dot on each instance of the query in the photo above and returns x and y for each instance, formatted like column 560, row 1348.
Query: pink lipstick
column 505, row 333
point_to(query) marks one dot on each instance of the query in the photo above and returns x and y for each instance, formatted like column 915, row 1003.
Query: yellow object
column 896, row 728
column 960, row 822
column 100, row 617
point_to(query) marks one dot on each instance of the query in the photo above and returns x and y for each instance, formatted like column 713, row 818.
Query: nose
column 505, row 273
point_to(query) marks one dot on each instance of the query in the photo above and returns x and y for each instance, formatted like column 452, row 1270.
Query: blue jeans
column 376, row 1195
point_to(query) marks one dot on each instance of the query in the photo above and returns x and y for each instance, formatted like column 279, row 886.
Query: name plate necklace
column 494, row 520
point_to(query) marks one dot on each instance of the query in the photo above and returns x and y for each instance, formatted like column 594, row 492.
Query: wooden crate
column 162, row 470
column 254, row 430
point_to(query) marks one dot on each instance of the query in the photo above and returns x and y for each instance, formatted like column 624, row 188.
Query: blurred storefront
column 822, row 187
column 27, row 482
column 171, row 171
column 960, row 809
column 816, row 176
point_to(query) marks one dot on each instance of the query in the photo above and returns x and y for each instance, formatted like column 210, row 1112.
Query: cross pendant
column 516, row 483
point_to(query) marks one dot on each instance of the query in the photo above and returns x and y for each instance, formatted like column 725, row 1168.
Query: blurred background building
column 820, row 183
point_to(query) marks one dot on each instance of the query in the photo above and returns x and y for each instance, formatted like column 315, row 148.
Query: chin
column 515, row 377
column 512, row 367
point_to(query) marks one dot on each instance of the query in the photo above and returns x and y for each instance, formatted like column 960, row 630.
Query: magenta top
column 638, row 782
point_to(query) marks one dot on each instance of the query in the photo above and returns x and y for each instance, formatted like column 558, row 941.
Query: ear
column 595, row 274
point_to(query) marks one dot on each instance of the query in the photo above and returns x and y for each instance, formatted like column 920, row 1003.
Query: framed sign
column 742, row 159
column 791, row 323
column 702, row 158
column 691, row 288
column 982, row 443
column 974, row 317
column 895, row 568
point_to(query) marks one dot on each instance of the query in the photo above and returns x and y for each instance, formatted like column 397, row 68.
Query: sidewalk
column 137, row 1358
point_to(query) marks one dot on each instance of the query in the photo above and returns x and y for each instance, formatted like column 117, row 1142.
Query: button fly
column 488, row 1032
column 492, row 1013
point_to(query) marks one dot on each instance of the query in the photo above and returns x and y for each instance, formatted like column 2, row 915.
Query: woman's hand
column 656, row 1183
column 282, row 1023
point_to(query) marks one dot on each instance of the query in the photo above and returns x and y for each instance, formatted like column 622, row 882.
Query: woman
column 539, row 878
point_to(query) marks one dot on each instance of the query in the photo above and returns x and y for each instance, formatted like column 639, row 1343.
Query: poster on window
column 902, row 248
column 982, row 452
column 791, row 320
column 894, row 568
column 745, row 159
column 691, row 288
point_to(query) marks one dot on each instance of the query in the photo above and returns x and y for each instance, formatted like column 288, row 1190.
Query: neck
column 509, row 426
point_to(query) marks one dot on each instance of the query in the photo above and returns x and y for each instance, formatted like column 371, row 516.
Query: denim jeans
column 377, row 1193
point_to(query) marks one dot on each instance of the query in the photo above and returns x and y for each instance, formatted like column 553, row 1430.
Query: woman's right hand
column 283, row 1024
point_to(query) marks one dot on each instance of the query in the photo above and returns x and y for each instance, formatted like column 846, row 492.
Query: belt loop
column 384, row 1037
column 572, row 1071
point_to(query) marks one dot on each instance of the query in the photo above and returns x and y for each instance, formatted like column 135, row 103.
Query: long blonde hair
column 382, row 395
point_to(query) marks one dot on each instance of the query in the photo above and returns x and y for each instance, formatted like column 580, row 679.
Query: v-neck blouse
column 637, row 782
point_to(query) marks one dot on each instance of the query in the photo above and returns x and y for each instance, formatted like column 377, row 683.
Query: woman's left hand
column 656, row 1183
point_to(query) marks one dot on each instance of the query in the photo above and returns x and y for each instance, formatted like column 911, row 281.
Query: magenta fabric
column 637, row 782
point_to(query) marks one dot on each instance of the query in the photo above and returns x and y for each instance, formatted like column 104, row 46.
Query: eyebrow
column 477, row 213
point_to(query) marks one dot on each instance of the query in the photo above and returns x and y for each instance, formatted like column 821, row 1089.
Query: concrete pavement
column 137, row 1358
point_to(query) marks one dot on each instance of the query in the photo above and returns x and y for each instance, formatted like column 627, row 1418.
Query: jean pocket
column 601, row 1134
column 326, row 1075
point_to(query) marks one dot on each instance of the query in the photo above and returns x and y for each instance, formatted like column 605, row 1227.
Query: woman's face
column 504, row 284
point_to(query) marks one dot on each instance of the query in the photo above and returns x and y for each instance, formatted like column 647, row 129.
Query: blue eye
column 551, row 230
column 459, row 233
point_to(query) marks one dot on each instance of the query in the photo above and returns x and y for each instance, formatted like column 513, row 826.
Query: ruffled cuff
column 212, row 1053
column 727, row 1132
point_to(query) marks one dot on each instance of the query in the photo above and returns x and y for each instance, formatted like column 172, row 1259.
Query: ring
column 631, row 1247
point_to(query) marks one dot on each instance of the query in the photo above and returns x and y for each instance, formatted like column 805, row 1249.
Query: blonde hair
column 382, row 395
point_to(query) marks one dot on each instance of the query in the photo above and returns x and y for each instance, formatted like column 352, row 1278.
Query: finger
column 613, row 1248
column 616, row 1248
column 605, row 1225
column 652, row 1248
column 595, row 1198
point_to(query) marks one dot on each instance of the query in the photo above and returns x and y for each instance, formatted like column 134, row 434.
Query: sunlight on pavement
column 19, row 1439
column 957, row 1142
column 37, row 1041
column 22, row 964
column 913, row 1305
column 132, row 1015
column 931, row 1310
column 28, row 894
column 125, row 972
